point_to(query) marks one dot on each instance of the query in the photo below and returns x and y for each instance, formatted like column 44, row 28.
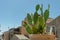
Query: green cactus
column 37, row 22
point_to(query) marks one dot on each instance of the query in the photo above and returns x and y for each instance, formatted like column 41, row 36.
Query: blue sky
column 12, row 12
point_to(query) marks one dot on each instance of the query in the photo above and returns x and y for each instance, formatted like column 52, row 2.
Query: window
column 51, row 30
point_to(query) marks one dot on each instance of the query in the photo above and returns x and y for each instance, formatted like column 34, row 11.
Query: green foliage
column 27, row 28
column 40, row 29
column 29, row 19
column 37, row 7
column 35, row 17
column 41, row 20
column 37, row 22
column 46, row 15
column 41, row 9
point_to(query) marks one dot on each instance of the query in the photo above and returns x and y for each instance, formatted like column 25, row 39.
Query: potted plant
column 36, row 24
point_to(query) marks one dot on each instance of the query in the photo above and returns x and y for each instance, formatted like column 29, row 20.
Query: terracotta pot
column 41, row 37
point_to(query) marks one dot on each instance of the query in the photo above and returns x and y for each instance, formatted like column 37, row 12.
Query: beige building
column 56, row 23
column 6, row 35
column 21, row 30
column 9, row 34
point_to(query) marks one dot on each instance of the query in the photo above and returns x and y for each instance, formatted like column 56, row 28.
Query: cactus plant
column 37, row 22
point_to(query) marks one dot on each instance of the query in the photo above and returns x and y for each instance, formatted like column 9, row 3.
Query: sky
column 12, row 12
